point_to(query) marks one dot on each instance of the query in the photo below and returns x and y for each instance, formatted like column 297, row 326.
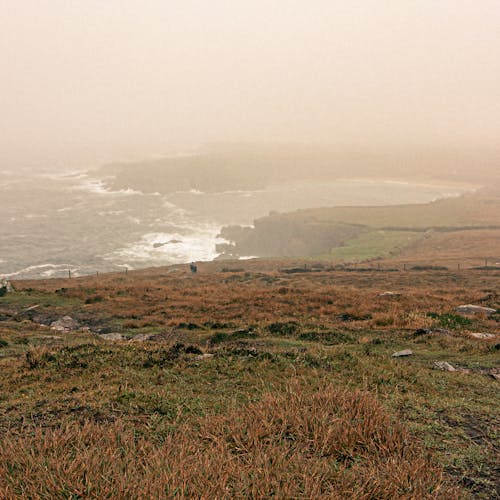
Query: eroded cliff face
column 287, row 235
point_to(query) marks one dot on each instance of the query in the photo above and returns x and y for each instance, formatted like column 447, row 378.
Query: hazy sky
column 88, row 81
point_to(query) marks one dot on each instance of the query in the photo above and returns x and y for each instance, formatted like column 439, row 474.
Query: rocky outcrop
column 65, row 324
column 470, row 309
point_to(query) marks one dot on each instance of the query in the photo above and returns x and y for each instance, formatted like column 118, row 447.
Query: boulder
column 111, row 336
column 478, row 335
column 152, row 337
column 64, row 324
column 143, row 337
column 429, row 331
column 470, row 309
column 405, row 352
column 203, row 357
column 445, row 366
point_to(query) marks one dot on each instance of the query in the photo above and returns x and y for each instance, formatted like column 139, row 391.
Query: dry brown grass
column 305, row 443
column 158, row 299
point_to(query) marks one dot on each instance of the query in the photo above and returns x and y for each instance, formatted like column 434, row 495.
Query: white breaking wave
column 97, row 186
column 171, row 248
column 50, row 270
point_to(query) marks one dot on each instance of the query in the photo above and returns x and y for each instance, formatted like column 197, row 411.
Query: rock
column 171, row 242
column 495, row 373
column 429, row 331
column 478, row 335
column 405, row 352
column 443, row 365
column 111, row 336
column 143, row 337
column 470, row 309
column 390, row 294
column 65, row 324
column 152, row 337
column 203, row 357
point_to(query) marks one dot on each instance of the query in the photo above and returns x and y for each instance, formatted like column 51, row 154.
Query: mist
column 86, row 83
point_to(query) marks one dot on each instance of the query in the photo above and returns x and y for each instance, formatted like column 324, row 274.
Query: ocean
column 55, row 221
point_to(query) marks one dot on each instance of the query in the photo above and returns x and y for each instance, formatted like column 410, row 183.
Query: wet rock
column 405, row 352
column 445, row 366
column 471, row 309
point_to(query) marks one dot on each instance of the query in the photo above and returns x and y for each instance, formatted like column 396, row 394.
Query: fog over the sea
column 87, row 82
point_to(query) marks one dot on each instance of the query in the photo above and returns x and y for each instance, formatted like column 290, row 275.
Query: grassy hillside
column 463, row 230
column 266, row 382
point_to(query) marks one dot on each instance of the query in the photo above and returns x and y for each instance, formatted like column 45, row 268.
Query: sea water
column 52, row 222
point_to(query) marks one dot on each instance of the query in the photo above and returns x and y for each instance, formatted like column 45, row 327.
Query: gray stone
column 478, row 335
column 65, row 324
column 143, row 337
column 111, row 336
column 405, row 352
column 202, row 357
column 443, row 365
column 469, row 309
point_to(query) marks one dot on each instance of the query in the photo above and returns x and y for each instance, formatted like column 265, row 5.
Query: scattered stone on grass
column 152, row 337
column 404, row 352
column 64, row 324
column 111, row 336
column 203, row 357
column 478, row 335
column 142, row 337
column 445, row 366
column 470, row 309
column 429, row 331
